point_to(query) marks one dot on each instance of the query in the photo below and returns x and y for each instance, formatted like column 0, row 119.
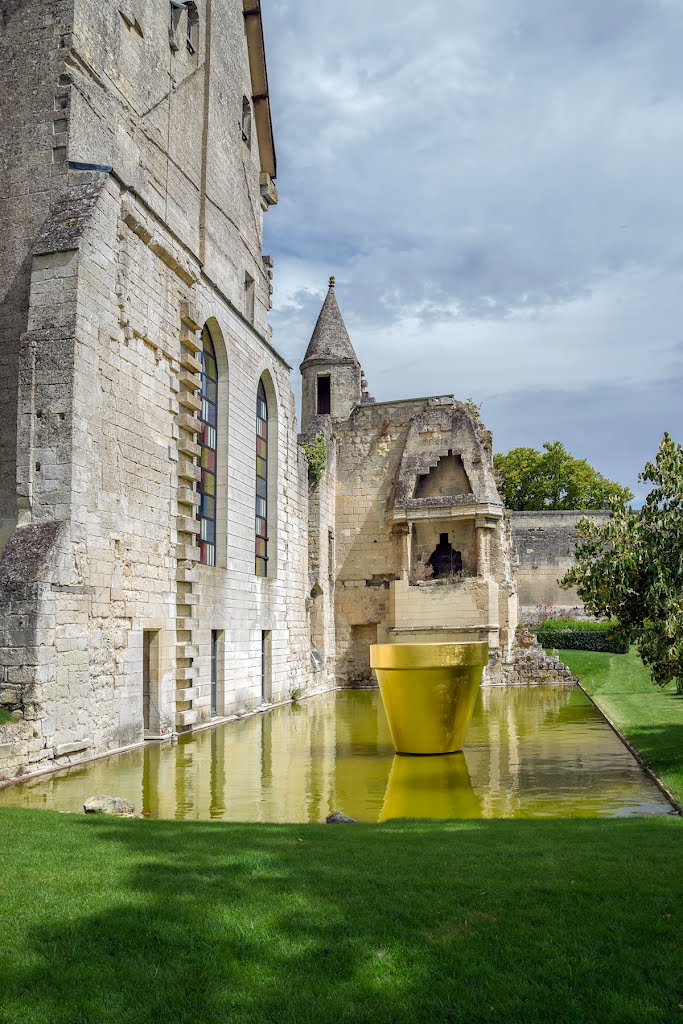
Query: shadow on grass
column 660, row 747
column 464, row 921
column 666, row 739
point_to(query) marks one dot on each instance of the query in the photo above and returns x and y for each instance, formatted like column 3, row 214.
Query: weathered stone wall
column 169, row 122
column 385, row 456
column 34, row 36
column 126, row 268
column 369, row 449
column 543, row 547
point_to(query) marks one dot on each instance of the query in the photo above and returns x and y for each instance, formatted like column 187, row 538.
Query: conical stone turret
column 331, row 373
column 330, row 341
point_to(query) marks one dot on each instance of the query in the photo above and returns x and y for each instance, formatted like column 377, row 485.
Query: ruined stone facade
column 543, row 550
column 407, row 534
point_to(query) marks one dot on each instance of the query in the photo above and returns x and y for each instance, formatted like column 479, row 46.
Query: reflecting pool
column 531, row 752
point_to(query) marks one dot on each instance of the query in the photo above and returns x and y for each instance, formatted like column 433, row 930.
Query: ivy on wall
column 316, row 456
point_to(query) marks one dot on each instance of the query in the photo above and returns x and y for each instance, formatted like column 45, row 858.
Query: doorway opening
column 150, row 682
column 266, row 667
column 216, row 672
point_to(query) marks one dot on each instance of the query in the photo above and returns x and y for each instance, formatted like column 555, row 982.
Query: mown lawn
column 649, row 717
column 497, row 921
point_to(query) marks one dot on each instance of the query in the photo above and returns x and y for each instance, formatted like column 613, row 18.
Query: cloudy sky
column 498, row 187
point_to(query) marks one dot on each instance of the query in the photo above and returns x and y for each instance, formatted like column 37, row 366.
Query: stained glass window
column 261, row 482
column 208, row 416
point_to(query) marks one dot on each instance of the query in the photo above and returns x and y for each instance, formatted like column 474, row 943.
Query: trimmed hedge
column 572, row 624
column 598, row 640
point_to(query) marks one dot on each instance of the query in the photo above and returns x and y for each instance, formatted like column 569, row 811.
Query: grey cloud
column 616, row 428
column 481, row 169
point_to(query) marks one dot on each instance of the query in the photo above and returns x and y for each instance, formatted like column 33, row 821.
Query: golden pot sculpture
column 429, row 692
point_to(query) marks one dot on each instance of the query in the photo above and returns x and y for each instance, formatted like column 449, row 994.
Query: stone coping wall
column 543, row 550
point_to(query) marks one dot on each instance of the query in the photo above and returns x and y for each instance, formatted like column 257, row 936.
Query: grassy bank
column 649, row 717
column 496, row 921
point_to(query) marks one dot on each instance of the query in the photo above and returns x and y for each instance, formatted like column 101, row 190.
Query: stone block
column 115, row 806
column 186, row 651
column 189, row 673
column 191, row 342
column 183, row 719
column 184, row 624
column 192, row 401
column 189, row 316
column 77, row 747
column 188, row 470
column 188, row 447
column 187, row 553
column 184, row 524
column 190, row 375
column 187, row 496
column 187, row 421
column 186, row 696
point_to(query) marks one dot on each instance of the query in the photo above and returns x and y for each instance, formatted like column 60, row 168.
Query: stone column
column 483, row 531
column 403, row 533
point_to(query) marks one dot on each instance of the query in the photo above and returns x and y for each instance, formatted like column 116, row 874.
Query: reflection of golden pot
column 429, row 691
column 430, row 787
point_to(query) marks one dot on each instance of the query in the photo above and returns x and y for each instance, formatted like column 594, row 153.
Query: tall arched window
column 261, row 482
column 208, row 490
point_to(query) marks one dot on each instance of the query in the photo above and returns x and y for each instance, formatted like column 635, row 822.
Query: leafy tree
column 632, row 567
column 529, row 480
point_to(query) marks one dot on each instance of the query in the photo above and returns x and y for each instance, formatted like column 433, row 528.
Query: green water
column 531, row 752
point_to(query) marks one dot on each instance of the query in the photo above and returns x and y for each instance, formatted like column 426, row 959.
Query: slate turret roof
column 330, row 342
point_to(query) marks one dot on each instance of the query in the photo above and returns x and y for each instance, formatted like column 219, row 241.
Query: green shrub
column 316, row 456
column 598, row 640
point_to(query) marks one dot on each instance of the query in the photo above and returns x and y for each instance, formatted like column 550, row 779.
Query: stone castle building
column 407, row 540
column 165, row 560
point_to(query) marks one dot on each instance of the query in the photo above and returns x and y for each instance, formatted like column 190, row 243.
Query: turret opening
column 324, row 396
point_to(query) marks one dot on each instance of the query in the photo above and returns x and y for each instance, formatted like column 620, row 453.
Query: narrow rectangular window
column 192, row 30
column 330, row 555
column 249, row 297
column 246, row 122
column 150, row 682
column 216, row 669
column 324, row 396
column 266, row 681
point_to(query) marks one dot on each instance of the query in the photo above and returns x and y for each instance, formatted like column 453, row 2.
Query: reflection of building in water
column 553, row 755
column 364, row 752
column 273, row 767
column 546, row 752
